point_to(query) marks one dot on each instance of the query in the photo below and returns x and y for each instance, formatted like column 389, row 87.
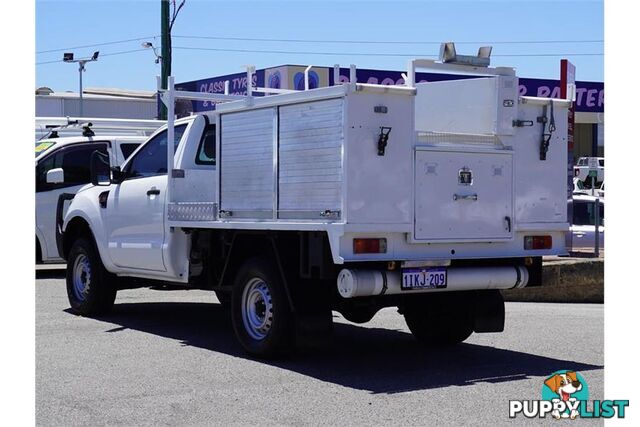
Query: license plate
column 424, row 278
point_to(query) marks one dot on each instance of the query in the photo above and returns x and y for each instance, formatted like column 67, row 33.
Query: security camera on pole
column 149, row 45
column 68, row 57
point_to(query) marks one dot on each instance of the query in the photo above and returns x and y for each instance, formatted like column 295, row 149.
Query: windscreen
column 41, row 147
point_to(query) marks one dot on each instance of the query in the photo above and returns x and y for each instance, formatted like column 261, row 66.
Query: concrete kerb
column 565, row 280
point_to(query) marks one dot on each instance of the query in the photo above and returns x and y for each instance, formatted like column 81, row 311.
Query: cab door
column 135, row 207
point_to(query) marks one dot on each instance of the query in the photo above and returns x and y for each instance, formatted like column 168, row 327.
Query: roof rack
column 52, row 127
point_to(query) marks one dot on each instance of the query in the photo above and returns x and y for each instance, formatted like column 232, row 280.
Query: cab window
column 584, row 213
column 75, row 160
column 43, row 146
column 44, row 166
column 151, row 159
column 207, row 149
column 128, row 148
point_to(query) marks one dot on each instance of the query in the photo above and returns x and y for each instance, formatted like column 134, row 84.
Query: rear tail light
column 369, row 246
column 537, row 242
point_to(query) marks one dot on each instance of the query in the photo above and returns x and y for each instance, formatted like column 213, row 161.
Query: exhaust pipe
column 364, row 283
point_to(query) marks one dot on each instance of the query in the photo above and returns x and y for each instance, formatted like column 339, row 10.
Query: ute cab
column 63, row 166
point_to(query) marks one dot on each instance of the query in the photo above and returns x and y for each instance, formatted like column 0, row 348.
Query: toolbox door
column 248, row 169
column 463, row 196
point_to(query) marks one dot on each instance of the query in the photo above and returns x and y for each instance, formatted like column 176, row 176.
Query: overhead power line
column 262, row 39
column 105, row 54
column 96, row 44
column 258, row 39
column 421, row 55
column 293, row 52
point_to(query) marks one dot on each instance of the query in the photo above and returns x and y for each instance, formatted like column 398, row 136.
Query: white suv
column 62, row 166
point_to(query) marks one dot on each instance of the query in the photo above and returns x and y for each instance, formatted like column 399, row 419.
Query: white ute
column 62, row 164
column 428, row 197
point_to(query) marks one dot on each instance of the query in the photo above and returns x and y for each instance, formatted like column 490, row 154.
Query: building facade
column 97, row 102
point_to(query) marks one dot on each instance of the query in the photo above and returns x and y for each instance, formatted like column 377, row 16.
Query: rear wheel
column 90, row 288
column 439, row 324
column 260, row 311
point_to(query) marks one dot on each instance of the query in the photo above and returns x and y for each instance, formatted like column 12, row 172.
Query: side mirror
column 55, row 176
column 100, row 168
column 117, row 176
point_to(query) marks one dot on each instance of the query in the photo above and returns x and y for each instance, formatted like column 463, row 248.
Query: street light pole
column 80, row 71
column 68, row 57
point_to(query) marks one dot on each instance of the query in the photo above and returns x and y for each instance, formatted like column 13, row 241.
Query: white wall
column 123, row 108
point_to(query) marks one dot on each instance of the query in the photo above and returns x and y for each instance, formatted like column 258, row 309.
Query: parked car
column 583, row 224
column 62, row 166
column 584, row 165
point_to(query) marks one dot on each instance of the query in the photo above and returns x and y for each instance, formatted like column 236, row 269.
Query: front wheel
column 90, row 289
column 260, row 311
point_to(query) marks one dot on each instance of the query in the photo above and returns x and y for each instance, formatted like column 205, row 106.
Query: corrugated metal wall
column 310, row 170
column 54, row 106
column 247, row 174
column 308, row 140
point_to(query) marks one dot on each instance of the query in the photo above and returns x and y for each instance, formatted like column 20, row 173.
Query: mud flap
column 60, row 220
column 313, row 316
column 313, row 330
column 488, row 311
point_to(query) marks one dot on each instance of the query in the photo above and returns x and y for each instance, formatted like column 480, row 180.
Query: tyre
column 260, row 311
column 90, row 288
column 439, row 324
column 224, row 298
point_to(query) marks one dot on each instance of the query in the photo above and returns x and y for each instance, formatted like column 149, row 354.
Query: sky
column 416, row 28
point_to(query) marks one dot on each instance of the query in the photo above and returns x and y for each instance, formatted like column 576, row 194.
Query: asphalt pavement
column 170, row 358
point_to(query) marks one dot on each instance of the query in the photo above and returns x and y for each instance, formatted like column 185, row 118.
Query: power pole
column 166, row 50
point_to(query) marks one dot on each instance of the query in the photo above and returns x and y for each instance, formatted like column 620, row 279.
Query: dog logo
column 565, row 395
column 567, row 387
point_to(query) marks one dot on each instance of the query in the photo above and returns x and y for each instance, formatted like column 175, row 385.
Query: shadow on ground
column 372, row 359
column 51, row 274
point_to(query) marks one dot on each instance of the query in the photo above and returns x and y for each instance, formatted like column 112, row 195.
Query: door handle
column 473, row 197
column 507, row 220
column 153, row 192
column 102, row 199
